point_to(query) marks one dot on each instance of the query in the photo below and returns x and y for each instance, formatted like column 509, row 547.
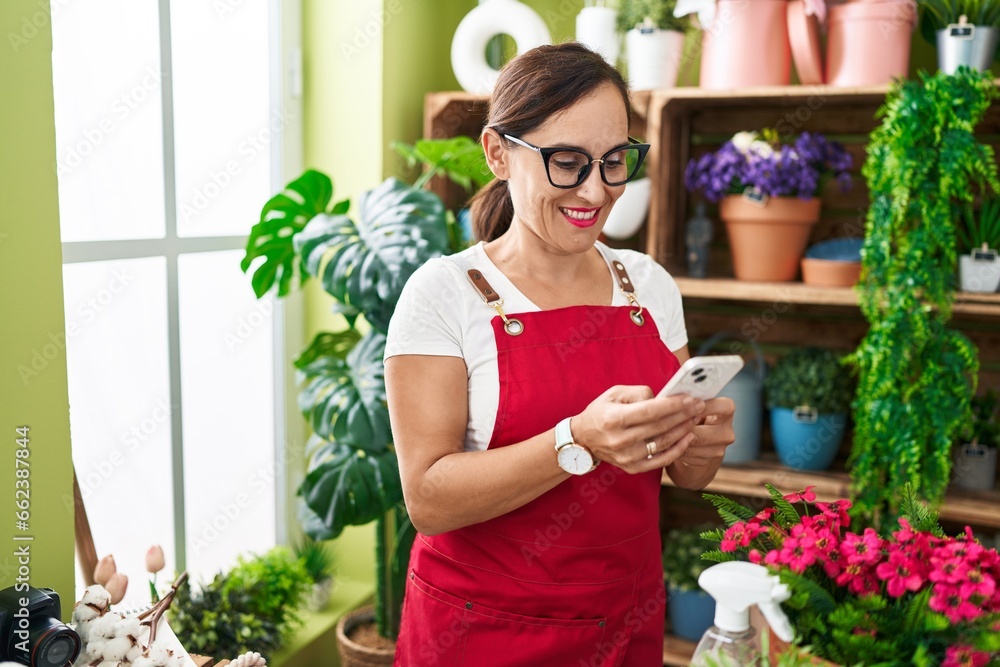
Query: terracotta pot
column 353, row 654
column 767, row 241
column 741, row 27
column 868, row 43
column 830, row 272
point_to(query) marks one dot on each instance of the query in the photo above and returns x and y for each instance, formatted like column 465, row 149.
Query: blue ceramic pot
column 806, row 444
column 691, row 613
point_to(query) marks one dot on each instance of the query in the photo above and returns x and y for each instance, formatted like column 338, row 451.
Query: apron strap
column 624, row 282
column 512, row 326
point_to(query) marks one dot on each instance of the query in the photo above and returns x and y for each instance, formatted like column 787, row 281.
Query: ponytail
column 492, row 211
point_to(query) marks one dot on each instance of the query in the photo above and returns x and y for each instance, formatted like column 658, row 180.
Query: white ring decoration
column 492, row 18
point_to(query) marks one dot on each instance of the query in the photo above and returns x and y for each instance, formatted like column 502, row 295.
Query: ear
column 497, row 156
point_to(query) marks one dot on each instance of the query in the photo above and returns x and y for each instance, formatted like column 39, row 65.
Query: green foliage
column 253, row 607
column 315, row 558
column 460, row 159
column 916, row 376
column 661, row 12
column 363, row 263
column 939, row 14
column 812, row 377
column 979, row 229
column 682, row 556
column 985, row 426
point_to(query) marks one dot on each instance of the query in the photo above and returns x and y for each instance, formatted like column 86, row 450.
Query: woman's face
column 566, row 219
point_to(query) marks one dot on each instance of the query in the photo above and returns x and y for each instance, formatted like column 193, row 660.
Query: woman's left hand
column 713, row 433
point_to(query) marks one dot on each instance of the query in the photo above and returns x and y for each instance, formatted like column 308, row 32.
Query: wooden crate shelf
column 677, row 651
column 964, row 507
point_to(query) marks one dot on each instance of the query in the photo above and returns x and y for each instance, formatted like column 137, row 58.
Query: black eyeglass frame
column 549, row 151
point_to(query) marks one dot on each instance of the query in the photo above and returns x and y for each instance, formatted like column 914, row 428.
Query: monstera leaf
column 343, row 393
column 346, row 486
column 365, row 264
column 284, row 216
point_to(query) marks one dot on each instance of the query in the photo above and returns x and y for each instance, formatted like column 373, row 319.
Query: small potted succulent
column 768, row 194
column 691, row 609
column 964, row 31
column 976, row 456
column 809, row 393
column 978, row 241
column 654, row 42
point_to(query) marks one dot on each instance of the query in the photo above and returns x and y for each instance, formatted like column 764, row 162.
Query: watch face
column 575, row 460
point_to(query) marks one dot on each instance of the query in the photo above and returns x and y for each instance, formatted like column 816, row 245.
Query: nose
column 593, row 187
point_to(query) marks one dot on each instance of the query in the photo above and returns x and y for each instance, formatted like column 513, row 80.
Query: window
column 170, row 120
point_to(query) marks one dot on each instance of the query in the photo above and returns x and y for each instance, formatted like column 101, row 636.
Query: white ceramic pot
column 595, row 28
column 654, row 57
column 970, row 45
column 975, row 467
column 979, row 275
column 629, row 211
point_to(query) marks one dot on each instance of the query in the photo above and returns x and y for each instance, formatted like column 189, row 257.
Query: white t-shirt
column 440, row 313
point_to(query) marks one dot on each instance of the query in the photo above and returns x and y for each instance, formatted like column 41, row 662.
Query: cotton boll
column 130, row 625
column 143, row 661
column 83, row 629
column 134, row 653
column 95, row 649
column 105, row 627
column 116, row 647
column 158, row 655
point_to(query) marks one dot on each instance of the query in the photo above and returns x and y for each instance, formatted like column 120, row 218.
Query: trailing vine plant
column 916, row 376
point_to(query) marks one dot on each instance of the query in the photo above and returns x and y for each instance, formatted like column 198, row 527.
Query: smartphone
column 703, row 377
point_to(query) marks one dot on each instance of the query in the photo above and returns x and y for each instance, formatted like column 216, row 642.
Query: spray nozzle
column 736, row 586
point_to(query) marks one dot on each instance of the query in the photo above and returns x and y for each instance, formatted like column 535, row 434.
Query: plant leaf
column 283, row 217
column 345, row 486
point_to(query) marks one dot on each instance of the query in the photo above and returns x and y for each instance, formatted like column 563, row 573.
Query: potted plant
column 809, row 395
column 916, row 376
column 319, row 564
column 353, row 475
column 864, row 597
column 629, row 212
column 964, row 31
column 976, row 454
column 769, row 196
column 691, row 609
column 978, row 241
column 654, row 42
column 734, row 28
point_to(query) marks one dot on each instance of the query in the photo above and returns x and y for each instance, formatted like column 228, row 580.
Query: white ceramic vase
column 975, row 467
column 595, row 28
column 654, row 57
column 979, row 275
column 629, row 211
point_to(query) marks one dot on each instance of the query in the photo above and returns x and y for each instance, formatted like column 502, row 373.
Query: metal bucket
column 746, row 390
column 963, row 44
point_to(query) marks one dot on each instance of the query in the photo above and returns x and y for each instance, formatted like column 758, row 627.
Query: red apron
column 574, row 577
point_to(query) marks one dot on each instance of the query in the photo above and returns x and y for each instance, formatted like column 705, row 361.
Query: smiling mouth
column 581, row 217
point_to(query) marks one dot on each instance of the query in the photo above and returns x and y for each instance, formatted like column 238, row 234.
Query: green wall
column 33, row 390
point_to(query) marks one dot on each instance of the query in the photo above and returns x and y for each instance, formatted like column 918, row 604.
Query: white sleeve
column 428, row 317
column 657, row 288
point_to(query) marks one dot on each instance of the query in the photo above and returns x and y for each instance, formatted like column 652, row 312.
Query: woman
column 521, row 376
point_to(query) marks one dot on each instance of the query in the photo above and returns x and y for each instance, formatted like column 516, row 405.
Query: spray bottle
column 731, row 641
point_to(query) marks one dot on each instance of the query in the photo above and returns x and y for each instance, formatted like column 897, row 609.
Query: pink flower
column 837, row 510
column 964, row 656
column 798, row 553
column 900, row 573
column 116, row 587
column 807, row 495
column 740, row 535
column 154, row 559
column 858, row 579
column 947, row 599
column 864, row 549
column 104, row 569
column 833, row 564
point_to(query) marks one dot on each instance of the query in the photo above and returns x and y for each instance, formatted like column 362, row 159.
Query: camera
column 31, row 631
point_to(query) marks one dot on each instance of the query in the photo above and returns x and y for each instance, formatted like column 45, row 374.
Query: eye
column 572, row 162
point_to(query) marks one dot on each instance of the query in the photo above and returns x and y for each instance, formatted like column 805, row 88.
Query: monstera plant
column 363, row 263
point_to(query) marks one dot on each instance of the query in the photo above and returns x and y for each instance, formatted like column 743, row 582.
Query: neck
column 520, row 252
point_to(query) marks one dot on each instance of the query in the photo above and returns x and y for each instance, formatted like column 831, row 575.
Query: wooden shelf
column 677, row 651
column 965, row 507
column 966, row 303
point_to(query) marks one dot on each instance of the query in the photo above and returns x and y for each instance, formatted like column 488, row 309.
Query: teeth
column 580, row 215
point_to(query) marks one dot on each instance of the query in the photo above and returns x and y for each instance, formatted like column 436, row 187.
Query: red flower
column 900, row 573
column 807, row 495
column 964, row 656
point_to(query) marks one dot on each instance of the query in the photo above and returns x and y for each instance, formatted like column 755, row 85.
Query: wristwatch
column 572, row 457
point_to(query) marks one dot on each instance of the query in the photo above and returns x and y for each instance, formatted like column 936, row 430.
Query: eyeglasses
column 569, row 167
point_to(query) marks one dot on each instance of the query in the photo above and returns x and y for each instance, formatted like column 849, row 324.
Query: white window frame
column 285, row 73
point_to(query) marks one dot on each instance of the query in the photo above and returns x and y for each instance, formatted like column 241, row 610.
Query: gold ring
column 650, row 449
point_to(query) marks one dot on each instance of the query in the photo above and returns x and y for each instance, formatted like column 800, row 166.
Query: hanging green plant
column 915, row 375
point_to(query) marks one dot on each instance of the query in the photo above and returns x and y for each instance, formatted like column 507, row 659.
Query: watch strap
column 564, row 434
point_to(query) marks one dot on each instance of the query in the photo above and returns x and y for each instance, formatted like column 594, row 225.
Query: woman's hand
column 701, row 459
column 625, row 423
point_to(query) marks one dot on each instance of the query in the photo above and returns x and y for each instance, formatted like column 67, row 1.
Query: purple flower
column 799, row 169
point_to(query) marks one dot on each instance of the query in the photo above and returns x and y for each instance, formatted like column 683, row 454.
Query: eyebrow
column 581, row 148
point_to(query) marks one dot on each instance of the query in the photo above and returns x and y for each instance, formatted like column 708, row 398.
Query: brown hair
column 531, row 88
